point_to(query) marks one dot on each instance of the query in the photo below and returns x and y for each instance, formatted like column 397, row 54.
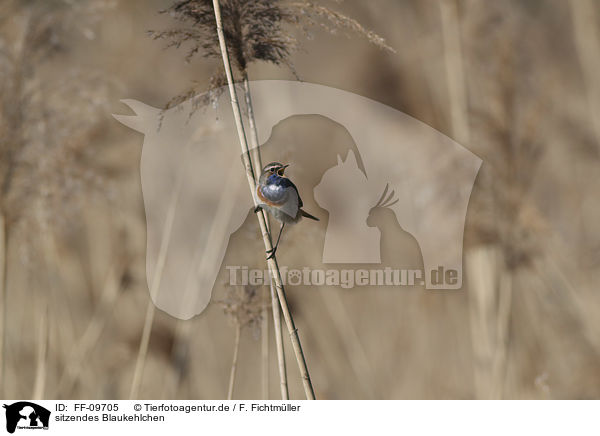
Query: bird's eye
column 272, row 170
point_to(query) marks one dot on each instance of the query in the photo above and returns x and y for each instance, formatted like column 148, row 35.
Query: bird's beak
column 282, row 169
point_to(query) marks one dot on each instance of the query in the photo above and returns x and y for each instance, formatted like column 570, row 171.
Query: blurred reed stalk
column 245, row 307
column 42, row 303
column 490, row 283
column 204, row 258
column 490, row 290
column 91, row 335
column 353, row 346
column 490, row 299
column 587, row 44
column 41, row 371
column 455, row 71
column 140, row 362
column 205, row 262
column 155, row 285
column 236, row 351
column 272, row 262
column 45, row 128
column 3, row 311
column 511, row 229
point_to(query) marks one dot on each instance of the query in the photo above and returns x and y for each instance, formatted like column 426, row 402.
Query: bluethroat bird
column 276, row 194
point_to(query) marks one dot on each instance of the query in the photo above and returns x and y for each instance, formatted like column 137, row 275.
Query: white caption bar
column 23, row 417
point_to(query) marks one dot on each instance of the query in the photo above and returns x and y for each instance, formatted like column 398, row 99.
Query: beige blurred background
column 515, row 82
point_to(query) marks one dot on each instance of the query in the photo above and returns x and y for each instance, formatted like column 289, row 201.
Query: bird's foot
column 257, row 208
column 271, row 253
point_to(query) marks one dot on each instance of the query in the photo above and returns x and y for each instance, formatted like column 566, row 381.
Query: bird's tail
column 307, row 215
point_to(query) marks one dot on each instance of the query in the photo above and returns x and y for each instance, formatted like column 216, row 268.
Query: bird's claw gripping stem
column 271, row 253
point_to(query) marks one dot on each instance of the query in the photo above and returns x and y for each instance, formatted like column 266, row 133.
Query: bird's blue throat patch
column 277, row 180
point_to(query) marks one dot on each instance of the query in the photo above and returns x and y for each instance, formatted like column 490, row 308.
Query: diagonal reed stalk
column 274, row 302
column 272, row 263
column 265, row 311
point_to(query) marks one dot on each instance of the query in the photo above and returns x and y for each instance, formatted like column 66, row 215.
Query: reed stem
column 273, row 267
column 41, row 370
column 264, row 335
column 274, row 301
column 283, row 386
column 236, row 349
column 455, row 75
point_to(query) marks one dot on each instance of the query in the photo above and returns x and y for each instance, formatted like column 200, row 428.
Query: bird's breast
column 271, row 193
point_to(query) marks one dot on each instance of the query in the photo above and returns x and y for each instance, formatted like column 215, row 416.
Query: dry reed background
column 516, row 82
